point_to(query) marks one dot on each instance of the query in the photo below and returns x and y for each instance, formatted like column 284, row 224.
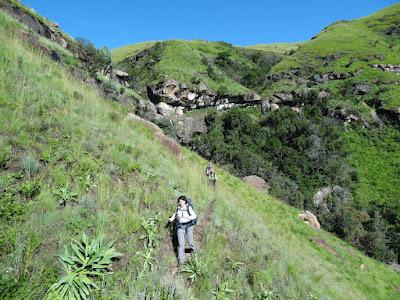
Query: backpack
column 190, row 204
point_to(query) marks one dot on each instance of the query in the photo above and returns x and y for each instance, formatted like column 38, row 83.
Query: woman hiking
column 184, row 218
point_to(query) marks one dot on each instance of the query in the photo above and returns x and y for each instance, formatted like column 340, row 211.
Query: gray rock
column 323, row 94
column 284, row 97
column 164, row 109
column 274, row 106
column 265, row 106
column 251, row 97
column 186, row 127
column 362, row 89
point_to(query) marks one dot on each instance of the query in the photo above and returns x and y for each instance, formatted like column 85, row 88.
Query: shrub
column 9, row 206
column 65, row 195
column 30, row 165
column 83, row 262
column 30, row 188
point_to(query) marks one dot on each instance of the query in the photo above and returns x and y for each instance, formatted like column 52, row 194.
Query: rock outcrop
column 175, row 93
column 186, row 127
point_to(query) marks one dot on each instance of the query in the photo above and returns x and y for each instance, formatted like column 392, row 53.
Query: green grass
column 121, row 53
column 280, row 48
column 133, row 178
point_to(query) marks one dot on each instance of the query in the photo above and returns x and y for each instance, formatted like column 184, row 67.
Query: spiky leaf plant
column 197, row 268
column 82, row 262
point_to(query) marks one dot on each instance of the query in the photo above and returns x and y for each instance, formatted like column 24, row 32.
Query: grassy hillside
column 351, row 46
column 280, row 48
column 60, row 141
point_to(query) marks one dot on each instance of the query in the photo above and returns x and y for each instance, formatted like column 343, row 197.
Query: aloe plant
column 83, row 262
column 197, row 268
column 223, row 291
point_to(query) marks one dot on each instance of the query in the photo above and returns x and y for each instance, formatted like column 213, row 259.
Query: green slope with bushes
column 71, row 162
column 311, row 143
column 223, row 68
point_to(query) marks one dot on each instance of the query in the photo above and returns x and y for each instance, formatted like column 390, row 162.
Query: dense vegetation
column 71, row 163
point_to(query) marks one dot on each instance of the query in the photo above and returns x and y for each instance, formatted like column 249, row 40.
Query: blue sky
column 117, row 23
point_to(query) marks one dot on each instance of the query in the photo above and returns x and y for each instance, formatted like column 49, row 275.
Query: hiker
column 210, row 173
column 184, row 218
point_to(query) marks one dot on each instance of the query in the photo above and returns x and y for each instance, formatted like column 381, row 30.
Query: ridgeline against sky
column 119, row 22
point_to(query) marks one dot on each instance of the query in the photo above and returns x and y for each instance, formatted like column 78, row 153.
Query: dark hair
column 183, row 198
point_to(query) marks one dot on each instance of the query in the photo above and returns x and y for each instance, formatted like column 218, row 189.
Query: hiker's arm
column 172, row 218
column 192, row 215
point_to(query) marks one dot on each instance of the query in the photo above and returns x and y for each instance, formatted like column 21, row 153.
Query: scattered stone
column 283, row 97
column 296, row 109
column 251, row 97
column 274, row 107
column 265, row 106
column 323, row 95
column 362, row 89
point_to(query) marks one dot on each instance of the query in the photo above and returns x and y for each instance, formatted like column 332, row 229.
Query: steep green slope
column 57, row 133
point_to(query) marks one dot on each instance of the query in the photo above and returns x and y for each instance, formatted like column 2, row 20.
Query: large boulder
column 187, row 127
column 310, row 219
column 257, row 182
column 284, row 97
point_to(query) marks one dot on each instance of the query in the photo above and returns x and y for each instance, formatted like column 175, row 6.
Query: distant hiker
column 184, row 218
column 210, row 173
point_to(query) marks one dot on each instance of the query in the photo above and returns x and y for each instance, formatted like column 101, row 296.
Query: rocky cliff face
column 178, row 94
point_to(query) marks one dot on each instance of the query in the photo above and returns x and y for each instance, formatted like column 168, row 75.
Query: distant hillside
column 280, row 48
column 221, row 67
column 72, row 162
